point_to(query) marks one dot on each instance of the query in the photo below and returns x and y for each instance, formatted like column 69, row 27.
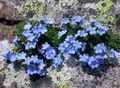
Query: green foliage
column 52, row 36
column 113, row 40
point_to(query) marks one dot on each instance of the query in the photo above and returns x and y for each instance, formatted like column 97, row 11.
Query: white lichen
column 65, row 3
column 5, row 46
column 90, row 5
column 62, row 77
column 20, row 77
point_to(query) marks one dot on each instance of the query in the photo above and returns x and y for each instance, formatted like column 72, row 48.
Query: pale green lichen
column 34, row 6
column 66, row 3
column 63, row 77
column 104, row 5
column 60, row 78
column 104, row 14
column 2, row 73
column 106, row 18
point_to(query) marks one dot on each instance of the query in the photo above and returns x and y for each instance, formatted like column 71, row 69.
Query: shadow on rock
column 44, row 82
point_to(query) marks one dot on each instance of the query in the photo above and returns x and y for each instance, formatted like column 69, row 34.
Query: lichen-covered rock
column 67, row 3
column 20, row 77
column 116, row 9
column 8, row 12
column 4, row 47
column 6, row 32
column 29, row 7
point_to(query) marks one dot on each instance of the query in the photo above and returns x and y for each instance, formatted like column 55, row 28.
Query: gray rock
column 116, row 9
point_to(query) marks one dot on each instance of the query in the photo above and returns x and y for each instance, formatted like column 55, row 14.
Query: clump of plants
column 41, row 44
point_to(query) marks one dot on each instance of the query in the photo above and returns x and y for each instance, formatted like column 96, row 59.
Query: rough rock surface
column 6, row 32
column 8, row 12
column 10, row 16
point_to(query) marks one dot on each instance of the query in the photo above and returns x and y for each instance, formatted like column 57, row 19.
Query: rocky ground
column 13, row 12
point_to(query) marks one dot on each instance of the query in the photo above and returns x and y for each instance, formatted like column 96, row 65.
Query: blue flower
column 70, row 45
column 21, row 56
column 31, row 37
column 91, row 30
column 47, row 51
column 101, row 30
column 77, row 45
column 30, row 45
column 70, row 38
column 27, row 61
column 83, row 59
column 31, row 70
column 35, row 65
column 36, row 30
column 42, row 29
column 41, row 64
column 10, row 56
column 77, row 19
column 112, row 54
column 48, row 21
column 95, row 22
column 33, row 59
column 101, row 59
column 26, row 33
column 83, row 46
column 15, row 40
column 39, row 29
column 61, row 33
column 27, row 26
column 81, row 33
column 100, row 49
column 57, row 61
column 93, row 62
column 64, row 21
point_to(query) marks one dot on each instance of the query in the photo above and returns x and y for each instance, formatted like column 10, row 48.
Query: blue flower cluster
column 61, row 33
column 35, row 65
column 10, row 56
column 70, row 46
column 33, row 34
column 81, row 33
column 100, row 49
column 57, row 61
column 74, row 20
column 37, row 53
column 77, row 19
column 85, row 60
column 95, row 61
column 49, row 53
